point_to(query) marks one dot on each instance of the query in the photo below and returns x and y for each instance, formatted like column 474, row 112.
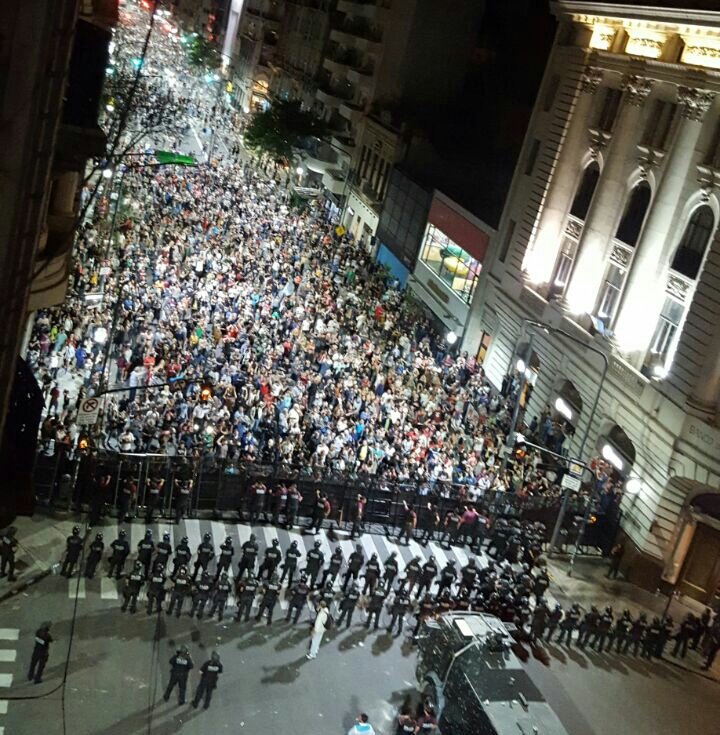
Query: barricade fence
column 71, row 482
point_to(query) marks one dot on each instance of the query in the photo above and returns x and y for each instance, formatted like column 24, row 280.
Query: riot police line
column 132, row 483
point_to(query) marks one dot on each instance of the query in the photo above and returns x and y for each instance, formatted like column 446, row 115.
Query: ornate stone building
column 610, row 237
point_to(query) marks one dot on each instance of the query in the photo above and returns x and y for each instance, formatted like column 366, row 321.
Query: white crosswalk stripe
column 76, row 587
column 6, row 680
column 9, row 634
column 108, row 589
column 7, row 656
column 3, row 706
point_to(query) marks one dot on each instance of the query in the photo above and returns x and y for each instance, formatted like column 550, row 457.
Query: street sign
column 89, row 411
column 575, row 469
column 570, row 482
column 339, row 230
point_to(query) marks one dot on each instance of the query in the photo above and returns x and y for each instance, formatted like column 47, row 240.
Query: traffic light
column 205, row 393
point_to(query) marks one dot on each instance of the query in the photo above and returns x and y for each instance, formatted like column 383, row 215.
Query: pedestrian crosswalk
column 110, row 589
column 8, row 657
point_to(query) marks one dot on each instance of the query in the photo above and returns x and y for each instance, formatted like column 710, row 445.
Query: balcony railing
column 361, row 28
column 334, row 91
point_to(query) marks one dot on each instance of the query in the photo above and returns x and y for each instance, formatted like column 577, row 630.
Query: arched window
column 628, row 230
column 584, row 194
column 689, row 254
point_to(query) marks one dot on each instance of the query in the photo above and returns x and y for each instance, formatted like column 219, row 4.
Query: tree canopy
column 203, row 53
column 280, row 128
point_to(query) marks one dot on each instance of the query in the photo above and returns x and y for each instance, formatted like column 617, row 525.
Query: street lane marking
column 108, row 589
column 76, row 587
column 6, row 680
column 9, row 634
column 3, row 706
column 7, row 656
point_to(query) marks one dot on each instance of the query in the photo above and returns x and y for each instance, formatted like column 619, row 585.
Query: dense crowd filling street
column 244, row 329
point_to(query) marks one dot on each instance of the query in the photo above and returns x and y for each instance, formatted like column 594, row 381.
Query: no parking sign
column 89, row 411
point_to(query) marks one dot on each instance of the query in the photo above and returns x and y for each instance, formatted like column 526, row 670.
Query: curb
column 24, row 585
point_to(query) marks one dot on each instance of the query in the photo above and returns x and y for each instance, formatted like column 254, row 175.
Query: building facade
column 610, row 238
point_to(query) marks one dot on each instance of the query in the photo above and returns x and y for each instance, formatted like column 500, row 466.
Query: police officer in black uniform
column 553, row 621
column 163, row 551
column 182, row 557
column 333, row 568
column 183, row 492
column 156, row 589
column 298, row 598
column 398, row 610
column 245, row 595
column 292, row 556
column 209, row 673
column 119, row 552
column 412, row 574
column 270, row 562
column 180, row 665
column 73, row 547
column 205, row 554
column 468, row 576
column 427, row 576
column 41, row 653
column 375, row 606
column 201, row 595
column 425, row 611
column 448, row 577
column 248, row 556
column 224, row 562
column 8, row 544
column 371, row 575
column 621, row 631
column 390, row 570
column 180, row 590
column 314, row 561
column 588, row 626
column 221, row 595
column 133, row 585
column 270, row 594
column 95, row 553
column 603, row 629
column 145, row 551
column 568, row 624
column 348, row 604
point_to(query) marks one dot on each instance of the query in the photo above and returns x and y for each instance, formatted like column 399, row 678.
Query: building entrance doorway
column 700, row 576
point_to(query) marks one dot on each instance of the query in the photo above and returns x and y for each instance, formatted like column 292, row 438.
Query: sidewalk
column 588, row 585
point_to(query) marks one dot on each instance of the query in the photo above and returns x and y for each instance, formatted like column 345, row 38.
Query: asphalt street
column 118, row 667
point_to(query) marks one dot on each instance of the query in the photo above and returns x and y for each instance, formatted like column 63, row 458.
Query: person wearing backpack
column 322, row 622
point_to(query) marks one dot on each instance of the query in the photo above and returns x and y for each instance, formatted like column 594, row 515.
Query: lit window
column 667, row 327
column 610, row 293
column 457, row 269
column 566, row 258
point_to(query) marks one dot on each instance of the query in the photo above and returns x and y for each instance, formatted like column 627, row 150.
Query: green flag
column 177, row 159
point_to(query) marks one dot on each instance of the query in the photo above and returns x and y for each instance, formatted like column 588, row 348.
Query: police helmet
column 317, row 544
column 294, row 544
column 184, row 540
column 98, row 537
column 228, row 540
column 275, row 542
column 148, row 533
column 122, row 534
column 206, row 537
column 75, row 531
column 166, row 536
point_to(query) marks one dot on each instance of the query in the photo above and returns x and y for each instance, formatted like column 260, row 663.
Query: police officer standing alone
column 180, row 665
column 41, row 653
column 209, row 673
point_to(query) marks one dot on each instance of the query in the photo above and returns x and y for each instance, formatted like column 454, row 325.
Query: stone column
column 645, row 288
column 541, row 260
column 609, row 197
column 706, row 391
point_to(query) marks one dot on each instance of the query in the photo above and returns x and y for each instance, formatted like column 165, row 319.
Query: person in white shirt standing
column 318, row 629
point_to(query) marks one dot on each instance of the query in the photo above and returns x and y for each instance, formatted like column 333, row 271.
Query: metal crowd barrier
column 226, row 489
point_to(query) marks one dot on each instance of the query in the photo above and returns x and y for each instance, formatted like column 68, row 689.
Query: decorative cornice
column 636, row 89
column 694, row 103
column 590, row 79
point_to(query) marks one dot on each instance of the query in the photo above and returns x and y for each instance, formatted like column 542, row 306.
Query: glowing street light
column 563, row 408
column 100, row 335
column 451, row 338
column 633, row 486
column 520, row 365
column 610, row 455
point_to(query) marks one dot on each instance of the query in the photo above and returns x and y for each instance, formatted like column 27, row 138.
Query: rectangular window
column 667, row 327
column 457, row 269
column 658, row 125
column 532, row 157
column 609, row 109
column 505, row 247
column 610, row 293
column 565, row 261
